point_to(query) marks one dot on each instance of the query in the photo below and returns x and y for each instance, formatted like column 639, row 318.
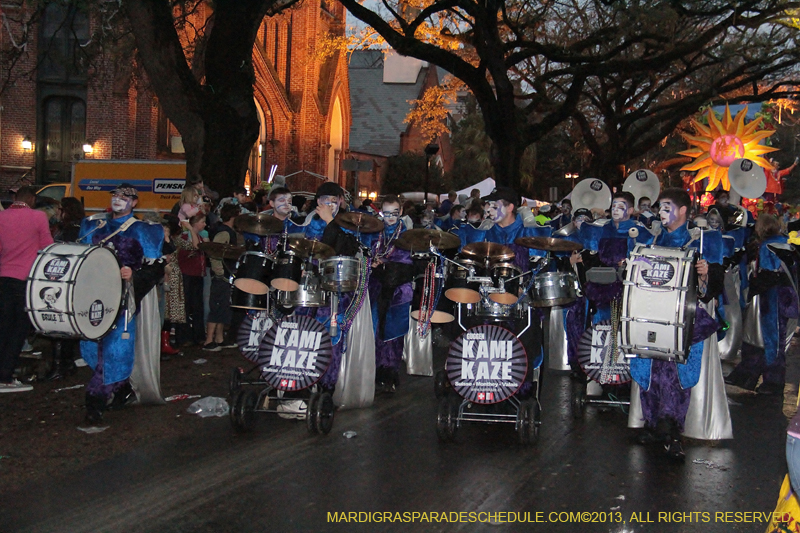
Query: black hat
column 504, row 193
column 329, row 188
column 582, row 212
column 126, row 189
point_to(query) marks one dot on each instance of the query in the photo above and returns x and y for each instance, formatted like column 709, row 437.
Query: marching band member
column 391, row 294
column 777, row 305
column 132, row 349
column 666, row 387
column 351, row 374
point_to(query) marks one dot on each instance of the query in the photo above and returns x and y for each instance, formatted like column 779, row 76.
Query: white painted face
column 490, row 210
column 121, row 205
column 390, row 213
column 282, row 204
column 668, row 213
column 619, row 210
column 714, row 221
column 330, row 201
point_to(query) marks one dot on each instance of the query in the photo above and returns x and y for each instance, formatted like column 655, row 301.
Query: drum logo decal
column 596, row 185
column 56, row 268
column 294, row 354
column 252, row 331
column 486, row 364
column 596, row 358
column 659, row 273
column 641, row 175
column 50, row 295
column 96, row 313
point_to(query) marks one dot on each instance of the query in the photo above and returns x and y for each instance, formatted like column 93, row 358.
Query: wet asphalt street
column 279, row 478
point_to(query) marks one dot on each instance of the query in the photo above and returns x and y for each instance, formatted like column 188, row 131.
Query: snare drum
column 339, row 273
column 489, row 309
column 308, row 294
column 506, row 271
column 253, row 270
column 74, row 291
column 553, row 289
column 659, row 303
column 287, row 272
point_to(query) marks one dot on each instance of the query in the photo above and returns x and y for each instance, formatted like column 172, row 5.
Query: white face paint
column 390, row 213
column 282, row 204
column 619, row 210
column 668, row 213
column 580, row 220
column 330, row 201
column 714, row 221
column 120, row 204
column 502, row 211
column 490, row 210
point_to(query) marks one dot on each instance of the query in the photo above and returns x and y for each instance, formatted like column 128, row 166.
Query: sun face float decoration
column 717, row 145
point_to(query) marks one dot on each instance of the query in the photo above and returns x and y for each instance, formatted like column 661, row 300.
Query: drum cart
column 250, row 394
column 458, row 406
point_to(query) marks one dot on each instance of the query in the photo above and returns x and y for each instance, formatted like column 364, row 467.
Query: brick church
column 53, row 113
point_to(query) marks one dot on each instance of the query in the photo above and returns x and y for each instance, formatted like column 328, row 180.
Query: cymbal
column 221, row 250
column 358, row 221
column 261, row 224
column 418, row 240
column 308, row 248
column 492, row 250
column 549, row 244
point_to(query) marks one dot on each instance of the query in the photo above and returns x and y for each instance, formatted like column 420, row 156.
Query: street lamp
column 571, row 176
column 430, row 151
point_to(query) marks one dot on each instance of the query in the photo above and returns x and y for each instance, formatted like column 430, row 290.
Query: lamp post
column 571, row 176
column 430, row 151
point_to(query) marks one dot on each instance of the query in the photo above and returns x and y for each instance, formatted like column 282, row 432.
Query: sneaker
column 15, row 386
column 211, row 347
column 228, row 344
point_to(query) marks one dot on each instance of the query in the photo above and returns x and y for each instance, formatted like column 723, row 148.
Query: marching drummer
column 666, row 387
column 391, row 293
column 137, row 245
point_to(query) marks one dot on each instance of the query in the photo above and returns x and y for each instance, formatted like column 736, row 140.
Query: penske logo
column 168, row 186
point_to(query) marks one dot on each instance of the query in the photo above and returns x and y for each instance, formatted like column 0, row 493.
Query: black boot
column 95, row 405
column 674, row 447
column 122, row 397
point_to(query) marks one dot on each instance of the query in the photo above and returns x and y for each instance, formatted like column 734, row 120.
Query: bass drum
column 74, row 291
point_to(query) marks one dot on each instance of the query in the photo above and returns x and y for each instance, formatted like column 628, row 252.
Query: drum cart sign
column 295, row 353
column 596, row 358
column 486, row 364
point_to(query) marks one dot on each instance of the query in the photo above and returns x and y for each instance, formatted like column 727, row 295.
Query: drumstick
column 701, row 223
column 125, row 334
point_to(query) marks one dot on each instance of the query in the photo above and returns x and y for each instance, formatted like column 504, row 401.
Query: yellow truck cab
column 159, row 183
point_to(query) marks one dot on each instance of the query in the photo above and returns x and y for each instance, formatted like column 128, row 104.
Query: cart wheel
column 441, row 384
column 235, row 382
column 311, row 413
column 528, row 422
column 447, row 419
column 237, row 408
column 578, row 399
column 324, row 413
column 249, row 411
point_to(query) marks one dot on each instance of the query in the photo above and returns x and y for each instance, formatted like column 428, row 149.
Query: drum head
column 439, row 317
column 595, row 358
column 463, row 296
column 486, row 364
column 284, row 284
column 505, row 298
column 251, row 286
column 295, row 353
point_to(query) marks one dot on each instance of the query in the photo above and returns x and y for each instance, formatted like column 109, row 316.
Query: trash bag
column 209, row 406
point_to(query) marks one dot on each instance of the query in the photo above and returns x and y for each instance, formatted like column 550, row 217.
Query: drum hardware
column 261, row 224
column 334, row 327
column 359, row 222
column 306, row 248
column 420, row 240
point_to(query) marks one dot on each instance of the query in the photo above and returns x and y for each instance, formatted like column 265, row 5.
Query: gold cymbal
column 548, row 243
column 308, row 248
column 358, row 221
column 421, row 240
column 261, row 224
column 492, row 250
column 221, row 250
